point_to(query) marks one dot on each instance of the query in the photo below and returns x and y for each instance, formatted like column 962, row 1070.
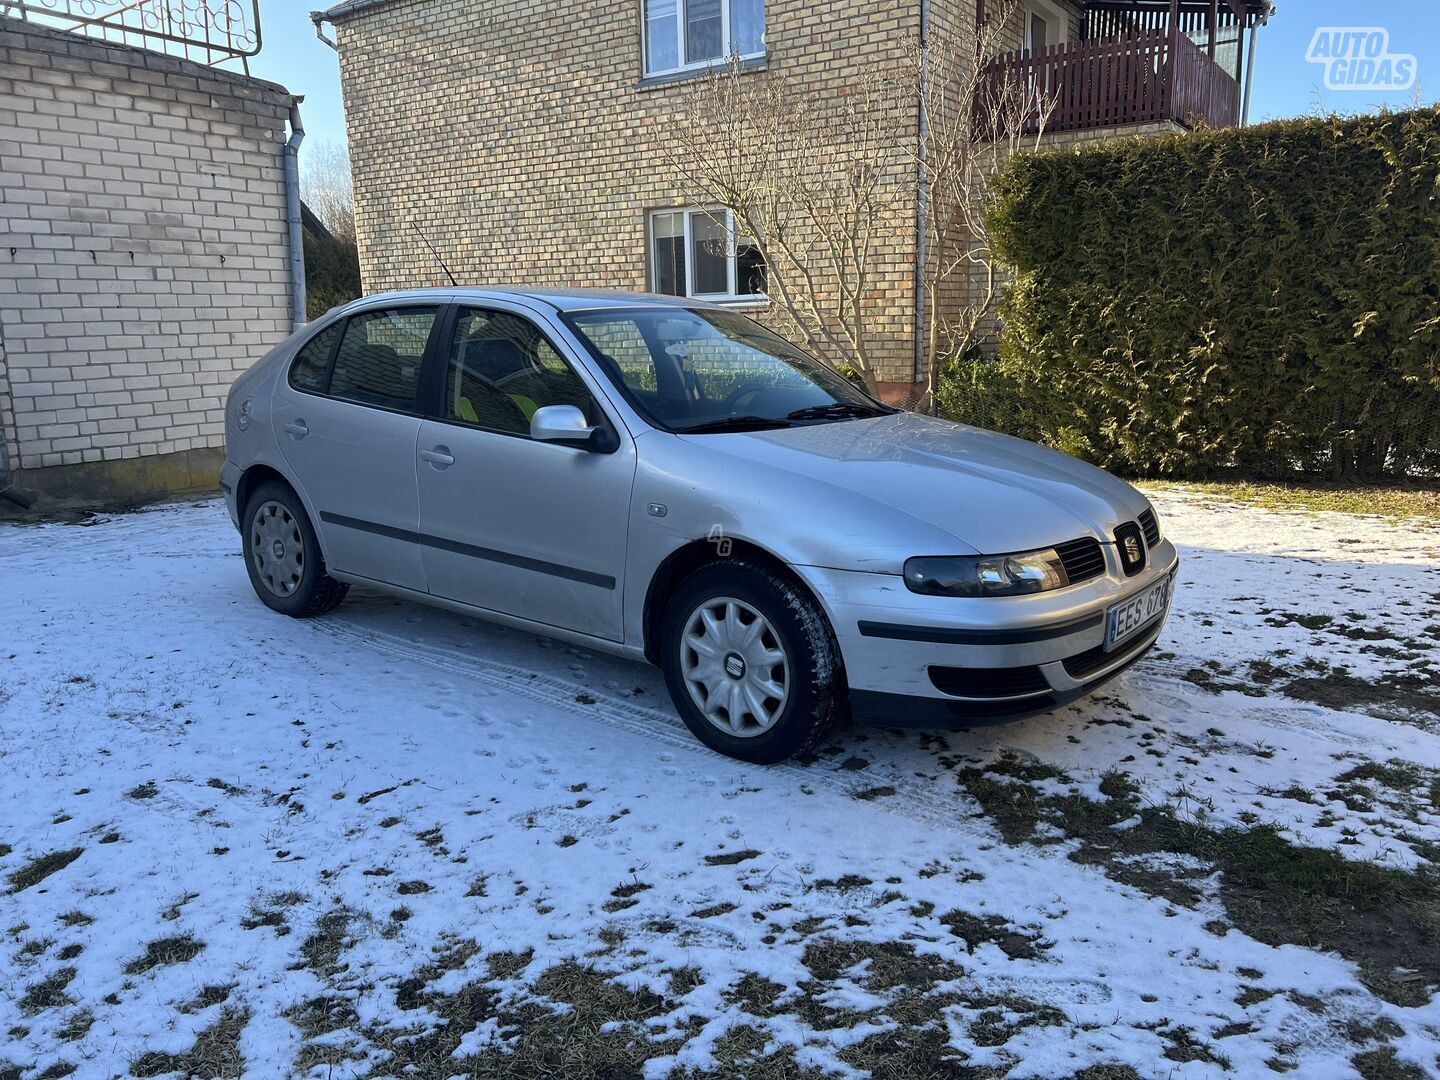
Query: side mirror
column 566, row 425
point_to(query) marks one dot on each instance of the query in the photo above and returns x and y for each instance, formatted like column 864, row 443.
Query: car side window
column 502, row 369
column 312, row 362
column 379, row 359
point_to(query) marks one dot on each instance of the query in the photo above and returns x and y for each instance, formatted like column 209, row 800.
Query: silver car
column 670, row 481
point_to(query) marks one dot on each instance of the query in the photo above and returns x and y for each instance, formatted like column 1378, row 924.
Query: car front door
column 348, row 422
column 531, row 529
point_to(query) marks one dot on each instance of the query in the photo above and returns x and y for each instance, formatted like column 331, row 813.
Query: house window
column 1045, row 24
column 697, row 253
column 682, row 34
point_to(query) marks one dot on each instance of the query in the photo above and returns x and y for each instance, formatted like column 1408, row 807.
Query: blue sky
column 1285, row 83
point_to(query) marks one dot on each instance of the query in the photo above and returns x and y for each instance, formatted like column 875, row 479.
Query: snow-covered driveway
column 399, row 841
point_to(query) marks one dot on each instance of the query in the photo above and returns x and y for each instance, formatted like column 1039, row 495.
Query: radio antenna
column 426, row 241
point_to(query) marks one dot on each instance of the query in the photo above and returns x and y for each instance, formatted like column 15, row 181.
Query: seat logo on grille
column 1131, row 545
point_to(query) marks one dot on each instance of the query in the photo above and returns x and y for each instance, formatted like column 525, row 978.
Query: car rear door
column 530, row 529
column 347, row 423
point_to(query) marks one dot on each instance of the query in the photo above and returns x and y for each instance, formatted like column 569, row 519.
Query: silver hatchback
column 671, row 481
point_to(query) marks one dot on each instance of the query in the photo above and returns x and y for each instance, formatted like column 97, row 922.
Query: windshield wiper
column 839, row 410
column 736, row 423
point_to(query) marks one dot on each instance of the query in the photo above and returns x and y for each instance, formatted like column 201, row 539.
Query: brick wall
column 144, row 199
column 514, row 134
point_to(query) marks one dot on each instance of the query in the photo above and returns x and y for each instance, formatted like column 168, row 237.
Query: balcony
column 1141, row 77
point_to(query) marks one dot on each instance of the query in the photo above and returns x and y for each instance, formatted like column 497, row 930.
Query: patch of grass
column 321, row 950
column 140, row 792
column 1381, row 1064
column 755, row 994
column 582, row 1024
column 871, row 794
column 216, row 1052
column 41, row 867
column 1399, row 502
column 1008, row 1016
column 178, row 949
column 1386, row 694
column 76, row 1027
column 509, row 965
column 207, row 998
column 993, row 929
column 889, row 965
column 730, row 858
column 713, row 911
column 1279, row 893
column 48, row 993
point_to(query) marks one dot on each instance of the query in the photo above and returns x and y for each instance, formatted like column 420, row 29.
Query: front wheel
column 282, row 554
column 751, row 663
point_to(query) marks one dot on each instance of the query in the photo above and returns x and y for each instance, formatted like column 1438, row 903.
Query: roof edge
column 341, row 11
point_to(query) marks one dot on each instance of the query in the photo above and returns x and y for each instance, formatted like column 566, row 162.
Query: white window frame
column 726, row 40
column 1057, row 21
column 732, row 262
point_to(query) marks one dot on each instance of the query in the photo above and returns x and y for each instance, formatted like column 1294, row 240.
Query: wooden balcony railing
column 1135, row 78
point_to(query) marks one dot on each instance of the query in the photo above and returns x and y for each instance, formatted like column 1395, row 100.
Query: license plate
column 1124, row 620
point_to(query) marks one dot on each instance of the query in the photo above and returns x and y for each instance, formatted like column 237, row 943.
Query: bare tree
column 819, row 183
column 973, row 117
column 326, row 188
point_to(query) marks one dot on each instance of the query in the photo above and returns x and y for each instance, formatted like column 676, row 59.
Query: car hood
column 993, row 493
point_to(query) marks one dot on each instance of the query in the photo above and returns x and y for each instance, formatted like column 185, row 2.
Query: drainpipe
column 1250, row 71
column 292, row 216
column 922, row 220
column 339, row 11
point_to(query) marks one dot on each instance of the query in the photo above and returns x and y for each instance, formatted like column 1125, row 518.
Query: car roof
column 559, row 299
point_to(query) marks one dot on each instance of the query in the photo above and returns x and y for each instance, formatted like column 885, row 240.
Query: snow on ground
column 400, row 841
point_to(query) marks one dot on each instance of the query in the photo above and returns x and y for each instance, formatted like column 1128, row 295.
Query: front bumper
column 928, row 661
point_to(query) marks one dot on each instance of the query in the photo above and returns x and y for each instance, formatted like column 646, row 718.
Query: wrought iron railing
column 208, row 31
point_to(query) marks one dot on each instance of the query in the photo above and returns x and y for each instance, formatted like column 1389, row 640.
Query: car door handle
column 297, row 428
column 440, row 457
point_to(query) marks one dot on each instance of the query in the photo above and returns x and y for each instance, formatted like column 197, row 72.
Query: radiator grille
column 1150, row 526
column 1083, row 559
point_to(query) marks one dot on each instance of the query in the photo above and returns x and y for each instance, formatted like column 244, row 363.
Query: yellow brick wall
column 514, row 134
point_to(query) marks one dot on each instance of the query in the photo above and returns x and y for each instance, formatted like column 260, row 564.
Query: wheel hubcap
column 735, row 667
column 277, row 549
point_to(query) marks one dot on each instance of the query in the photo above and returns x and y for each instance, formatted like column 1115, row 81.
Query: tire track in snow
column 930, row 803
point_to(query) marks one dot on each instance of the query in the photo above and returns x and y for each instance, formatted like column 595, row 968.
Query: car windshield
column 702, row 371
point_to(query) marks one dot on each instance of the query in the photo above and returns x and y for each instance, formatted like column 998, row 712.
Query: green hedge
column 332, row 273
column 1265, row 299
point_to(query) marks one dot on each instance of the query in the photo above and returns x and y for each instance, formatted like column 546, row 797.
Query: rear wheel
column 751, row 663
column 282, row 554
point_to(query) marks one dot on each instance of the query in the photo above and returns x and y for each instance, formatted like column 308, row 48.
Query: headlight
column 986, row 575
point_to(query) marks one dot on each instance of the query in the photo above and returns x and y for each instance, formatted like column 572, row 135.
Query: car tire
column 717, row 609
column 283, row 556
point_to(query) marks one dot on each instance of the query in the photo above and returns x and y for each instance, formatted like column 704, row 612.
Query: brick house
column 517, row 136
column 145, row 260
